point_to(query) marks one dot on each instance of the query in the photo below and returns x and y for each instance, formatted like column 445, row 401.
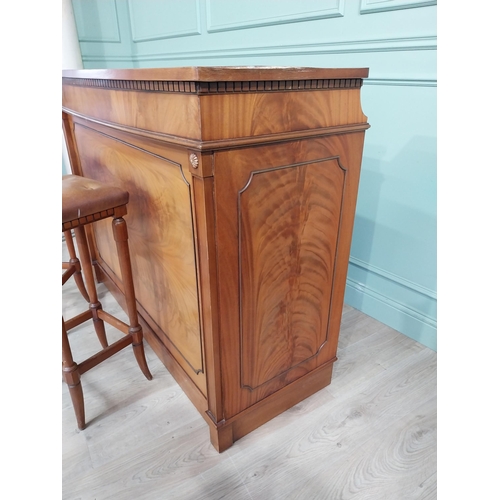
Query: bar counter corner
column 243, row 185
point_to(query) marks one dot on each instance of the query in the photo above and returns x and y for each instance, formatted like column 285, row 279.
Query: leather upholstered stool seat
column 85, row 201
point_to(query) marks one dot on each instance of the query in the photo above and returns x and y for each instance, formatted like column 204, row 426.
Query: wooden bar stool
column 85, row 201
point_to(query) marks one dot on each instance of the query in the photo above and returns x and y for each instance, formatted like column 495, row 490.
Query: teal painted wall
column 392, row 271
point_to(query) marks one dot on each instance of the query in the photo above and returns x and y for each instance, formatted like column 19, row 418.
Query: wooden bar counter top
column 243, row 185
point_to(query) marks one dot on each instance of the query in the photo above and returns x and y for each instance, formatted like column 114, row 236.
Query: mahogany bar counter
column 243, row 185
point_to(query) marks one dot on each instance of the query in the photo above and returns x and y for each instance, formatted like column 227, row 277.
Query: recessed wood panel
column 161, row 236
column 288, row 225
column 281, row 220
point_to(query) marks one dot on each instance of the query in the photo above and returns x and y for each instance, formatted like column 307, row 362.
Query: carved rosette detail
column 194, row 160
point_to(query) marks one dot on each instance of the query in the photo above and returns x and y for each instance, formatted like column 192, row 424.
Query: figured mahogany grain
column 288, row 227
column 162, row 113
column 270, row 113
column 299, row 216
column 161, row 238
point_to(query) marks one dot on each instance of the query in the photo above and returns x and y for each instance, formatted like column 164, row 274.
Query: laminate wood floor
column 370, row 435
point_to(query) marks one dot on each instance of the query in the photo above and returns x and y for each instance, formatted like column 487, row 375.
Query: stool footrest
column 68, row 273
column 78, row 320
column 106, row 353
column 113, row 321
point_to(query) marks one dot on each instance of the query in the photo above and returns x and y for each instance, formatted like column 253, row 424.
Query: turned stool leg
column 121, row 238
column 94, row 303
column 73, row 260
column 71, row 376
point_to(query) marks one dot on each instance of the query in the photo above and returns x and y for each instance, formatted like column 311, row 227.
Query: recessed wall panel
column 158, row 19
column 223, row 16
column 96, row 21
column 369, row 6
